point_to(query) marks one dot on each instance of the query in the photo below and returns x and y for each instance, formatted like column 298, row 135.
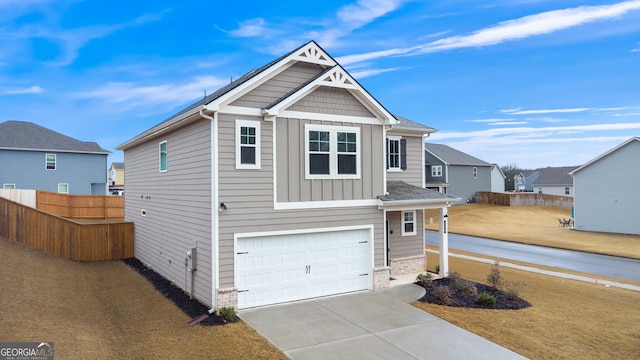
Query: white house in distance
column 607, row 191
column 291, row 182
column 555, row 181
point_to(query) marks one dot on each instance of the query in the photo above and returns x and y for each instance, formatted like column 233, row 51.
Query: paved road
column 602, row 265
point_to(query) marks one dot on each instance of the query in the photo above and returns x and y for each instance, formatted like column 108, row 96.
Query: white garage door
column 275, row 269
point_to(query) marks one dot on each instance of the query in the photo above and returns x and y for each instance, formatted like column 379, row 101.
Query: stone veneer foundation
column 381, row 278
column 227, row 298
column 408, row 265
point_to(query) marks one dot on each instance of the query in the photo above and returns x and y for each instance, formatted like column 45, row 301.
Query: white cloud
column 543, row 111
column 500, row 123
column 170, row 94
column 250, row 28
column 365, row 11
column 361, row 74
column 30, row 90
column 510, row 30
column 528, row 132
column 487, row 120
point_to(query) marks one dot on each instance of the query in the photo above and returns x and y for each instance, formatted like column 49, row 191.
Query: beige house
column 291, row 182
column 116, row 176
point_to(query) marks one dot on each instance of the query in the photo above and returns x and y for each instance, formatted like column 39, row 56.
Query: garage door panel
column 273, row 269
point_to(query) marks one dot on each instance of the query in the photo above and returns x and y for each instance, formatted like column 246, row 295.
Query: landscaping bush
column 442, row 295
column 486, row 299
column 512, row 290
column 424, row 280
column 228, row 314
column 495, row 278
column 462, row 285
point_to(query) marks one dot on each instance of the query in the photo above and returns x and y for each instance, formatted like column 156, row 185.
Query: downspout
column 214, row 207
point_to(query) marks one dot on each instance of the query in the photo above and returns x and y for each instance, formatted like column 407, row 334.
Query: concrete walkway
column 368, row 325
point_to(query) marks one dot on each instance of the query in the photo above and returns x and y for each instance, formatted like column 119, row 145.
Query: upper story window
column 63, row 188
column 567, row 190
column 163, row 151
column 247, row 144
column 50, row 161
column 408, row 223
column 475, row 172
column 9, row 186
column 396, row 153
column 332, row 152
column 540, row 190
column 436, row 170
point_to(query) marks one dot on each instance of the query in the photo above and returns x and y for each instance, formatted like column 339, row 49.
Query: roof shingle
column 22, row 135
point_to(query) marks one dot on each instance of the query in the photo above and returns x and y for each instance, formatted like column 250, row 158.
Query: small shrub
column 495, row 278
column 462, row 285
column 424, row 280
column 512, row 290
column 442, row 295
column 228, row 313
column 486, row 299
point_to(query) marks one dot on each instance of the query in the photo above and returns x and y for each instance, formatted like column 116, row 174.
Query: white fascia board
column 160, row 128
column 302, row 205
column 58, row 151
column 328, row 117
column 415, row 204
column 237, row 236
column 635, row 138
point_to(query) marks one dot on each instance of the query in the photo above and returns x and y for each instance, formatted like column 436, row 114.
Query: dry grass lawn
column 106, row 311
column 532, row 225
column 568, row 320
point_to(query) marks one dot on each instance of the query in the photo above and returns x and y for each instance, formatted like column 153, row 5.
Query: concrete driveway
column 368, row 325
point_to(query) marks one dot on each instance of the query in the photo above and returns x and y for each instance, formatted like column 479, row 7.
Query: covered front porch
column 403, row 207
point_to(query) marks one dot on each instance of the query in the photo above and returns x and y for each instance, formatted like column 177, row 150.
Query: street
column 602, row 265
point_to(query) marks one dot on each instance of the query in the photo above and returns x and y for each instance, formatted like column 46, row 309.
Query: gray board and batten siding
column 177, row 205
column 405, row 246
column 607, row 192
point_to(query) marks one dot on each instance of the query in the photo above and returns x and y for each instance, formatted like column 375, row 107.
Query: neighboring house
column 116, row 176
column 455, row 173
column 524, row 180
column 607, row 191
column 555, row 181
column 497, row 179
column 274, row 188
column 34, row 157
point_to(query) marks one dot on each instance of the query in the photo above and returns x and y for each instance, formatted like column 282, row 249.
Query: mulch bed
column 192, row 307
column 462, row 299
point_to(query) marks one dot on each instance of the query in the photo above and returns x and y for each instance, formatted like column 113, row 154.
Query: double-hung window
column 436, row 170
column 475, row 172
column 63, row 188
column 332, row 152
column 396, row 153
column 567, row 190
column 408, row 223
column 50, row 161
column 247, row 144
column 163, row 152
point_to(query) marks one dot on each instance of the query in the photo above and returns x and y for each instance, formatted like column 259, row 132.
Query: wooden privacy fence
column 81, row 206
column 63, row 237
column 524, row 199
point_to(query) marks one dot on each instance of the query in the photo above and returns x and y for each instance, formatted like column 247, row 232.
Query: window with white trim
column 162, row 155
column 436, row 170
column 408, row 223
column 9, row 186
column 63, row 188
column 332, row 152
column 50, row 161
column 247, row 144
column 393, row 156
column 475, row 172
column 540, row 190
column 567, row 190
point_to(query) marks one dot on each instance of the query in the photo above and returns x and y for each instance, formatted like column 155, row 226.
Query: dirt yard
column 106, row 311
column 532, row 225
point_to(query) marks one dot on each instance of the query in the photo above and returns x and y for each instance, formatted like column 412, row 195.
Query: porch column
column 444, row 241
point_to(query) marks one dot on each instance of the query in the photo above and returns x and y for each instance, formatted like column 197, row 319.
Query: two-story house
column 291, row 182
column 555, row 181
column 116, row 176
column 456, row 173
column 34, row 157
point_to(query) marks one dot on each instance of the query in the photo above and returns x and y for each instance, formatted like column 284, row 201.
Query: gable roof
column 22, row 135
column 311, row 52
column 405, row 124
column 635, row 138
column 400, row 194
column 451, row 156
column 555, row 176
column 117, row 165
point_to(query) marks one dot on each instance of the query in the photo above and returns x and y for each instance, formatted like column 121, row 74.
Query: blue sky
column 531, row 83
